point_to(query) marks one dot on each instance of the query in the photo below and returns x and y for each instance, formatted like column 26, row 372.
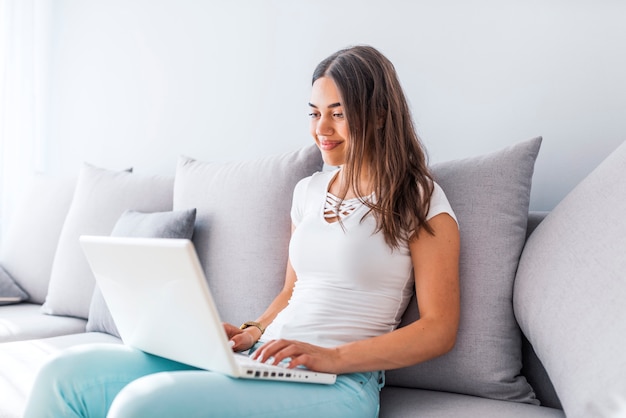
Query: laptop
column 158, row 297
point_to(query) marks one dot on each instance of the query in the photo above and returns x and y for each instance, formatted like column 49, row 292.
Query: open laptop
column 160, row 301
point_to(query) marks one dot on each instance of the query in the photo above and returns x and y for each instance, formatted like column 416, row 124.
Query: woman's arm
column 435, row 262
column 243, row 340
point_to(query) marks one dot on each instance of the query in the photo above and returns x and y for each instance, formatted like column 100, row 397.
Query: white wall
column 140, row 82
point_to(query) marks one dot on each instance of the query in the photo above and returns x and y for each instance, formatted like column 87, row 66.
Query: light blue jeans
column 108, row 380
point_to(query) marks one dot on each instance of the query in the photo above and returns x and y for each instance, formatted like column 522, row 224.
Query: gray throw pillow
column 490, row 195
column 176, row 224
column 10, row 292
column 570, row 290
column 100, row 197
column 243, row 224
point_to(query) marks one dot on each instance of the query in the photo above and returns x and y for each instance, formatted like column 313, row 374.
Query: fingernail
column 231, row 343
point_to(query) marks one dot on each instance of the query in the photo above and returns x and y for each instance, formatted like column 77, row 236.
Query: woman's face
column 329, row 126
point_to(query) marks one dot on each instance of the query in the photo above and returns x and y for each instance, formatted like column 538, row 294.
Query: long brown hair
column 383, row 138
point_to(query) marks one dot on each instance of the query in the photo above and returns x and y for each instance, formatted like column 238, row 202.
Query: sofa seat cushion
column 21, row 360
column 399, row 402
column 25, row 321
column 570, row 290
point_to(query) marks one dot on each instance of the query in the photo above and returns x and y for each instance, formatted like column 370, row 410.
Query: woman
column 360, row 234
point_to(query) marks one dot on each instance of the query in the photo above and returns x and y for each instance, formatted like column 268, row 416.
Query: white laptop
column 159, row 299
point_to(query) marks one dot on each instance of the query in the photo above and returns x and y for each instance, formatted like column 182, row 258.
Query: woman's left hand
column 301, row 354
column 239, row 339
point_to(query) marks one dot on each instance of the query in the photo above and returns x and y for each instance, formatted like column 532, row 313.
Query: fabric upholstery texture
column 171, row 224
column 100, row 197
column 490, row 195
column 30, row 241
column 10, row 292
column 573, row 264
column 243, row 224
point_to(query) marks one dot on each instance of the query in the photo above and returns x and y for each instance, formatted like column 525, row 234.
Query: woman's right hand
column 241, row 340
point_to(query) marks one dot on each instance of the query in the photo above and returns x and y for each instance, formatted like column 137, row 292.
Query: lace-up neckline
column 335, row 208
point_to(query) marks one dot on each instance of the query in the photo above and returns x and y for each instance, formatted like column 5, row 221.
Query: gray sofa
column 543, row 325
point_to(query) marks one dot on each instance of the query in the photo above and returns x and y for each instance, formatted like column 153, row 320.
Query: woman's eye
column 338, row 115
column 313, row 115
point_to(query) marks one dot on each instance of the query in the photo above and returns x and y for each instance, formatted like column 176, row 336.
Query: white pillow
column 570, row 289
column 31, row 239
column 101, row 196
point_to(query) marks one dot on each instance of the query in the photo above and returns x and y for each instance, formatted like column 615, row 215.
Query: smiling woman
column 349, row 278
column 329, row 127
column 363, row 123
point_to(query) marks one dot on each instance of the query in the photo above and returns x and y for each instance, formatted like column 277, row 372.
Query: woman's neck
column 341, row 186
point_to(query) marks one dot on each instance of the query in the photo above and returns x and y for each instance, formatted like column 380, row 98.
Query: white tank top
column 350, row 284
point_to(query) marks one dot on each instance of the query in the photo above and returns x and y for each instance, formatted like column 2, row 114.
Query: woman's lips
column 329, row 145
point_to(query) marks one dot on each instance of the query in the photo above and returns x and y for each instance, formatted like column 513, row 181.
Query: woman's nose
column 324, row 127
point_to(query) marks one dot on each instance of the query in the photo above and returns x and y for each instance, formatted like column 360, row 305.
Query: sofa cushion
column 25, row 321
column 100, row 197
column 176, row 224
column 490, row 195
column 243, row 224
column 170, row 224
column 33, row 233
column 10, row 292
column 570, row 290
column 398, row 402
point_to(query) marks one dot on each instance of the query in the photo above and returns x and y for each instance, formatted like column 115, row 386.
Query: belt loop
column 381, row 379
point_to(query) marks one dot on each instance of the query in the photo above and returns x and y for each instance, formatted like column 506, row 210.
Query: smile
column 329, row 145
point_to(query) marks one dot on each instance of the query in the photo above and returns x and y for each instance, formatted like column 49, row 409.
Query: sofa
column 543, row 325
